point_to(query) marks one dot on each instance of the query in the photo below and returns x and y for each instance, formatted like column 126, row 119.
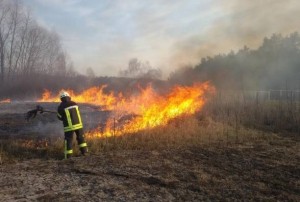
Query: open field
column 193, row 158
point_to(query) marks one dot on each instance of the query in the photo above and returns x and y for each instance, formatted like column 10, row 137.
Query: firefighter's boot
column 83, row 150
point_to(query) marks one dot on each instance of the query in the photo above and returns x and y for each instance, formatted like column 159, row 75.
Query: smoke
column 238, row 23
column 50, row 129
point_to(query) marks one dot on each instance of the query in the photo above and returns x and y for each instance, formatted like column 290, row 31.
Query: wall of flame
column 149, row 108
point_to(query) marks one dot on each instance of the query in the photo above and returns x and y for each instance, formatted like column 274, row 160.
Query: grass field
column 229, row 151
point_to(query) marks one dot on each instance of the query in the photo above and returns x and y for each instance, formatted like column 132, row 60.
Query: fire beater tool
column 32, row 113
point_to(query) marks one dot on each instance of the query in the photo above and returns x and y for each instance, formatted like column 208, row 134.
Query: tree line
column 26, row 48
column 275, row 64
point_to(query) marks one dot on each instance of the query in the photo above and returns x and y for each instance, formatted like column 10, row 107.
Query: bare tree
column 5, row 30
column 61, row 64
column 30, row 55
column 90, row 73
column 71, row 72
column 14, row 21
column 138, row 69
column 26, row 48
column 20, row 42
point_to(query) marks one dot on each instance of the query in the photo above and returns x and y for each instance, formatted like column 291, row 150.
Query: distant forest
column 274, row 65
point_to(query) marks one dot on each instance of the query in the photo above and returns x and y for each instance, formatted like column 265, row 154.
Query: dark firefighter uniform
column 69, row 114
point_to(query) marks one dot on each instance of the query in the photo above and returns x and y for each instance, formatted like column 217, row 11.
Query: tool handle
column 50, row 111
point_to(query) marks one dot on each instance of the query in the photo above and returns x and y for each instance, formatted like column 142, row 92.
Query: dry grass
column 183, row 132
column 269, row 115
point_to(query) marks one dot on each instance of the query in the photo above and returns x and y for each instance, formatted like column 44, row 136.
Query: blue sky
column 106, row 34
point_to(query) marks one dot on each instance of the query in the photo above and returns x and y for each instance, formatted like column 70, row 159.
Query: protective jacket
column 68, row 112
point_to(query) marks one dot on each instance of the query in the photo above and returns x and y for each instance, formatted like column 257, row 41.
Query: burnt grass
column 266, row 169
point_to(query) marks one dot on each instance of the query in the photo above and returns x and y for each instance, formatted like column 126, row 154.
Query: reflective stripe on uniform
column 70, row 126
column 83, row 145
column 69, row 151
column 68, row 117
column 74, row 127
column 79, row 117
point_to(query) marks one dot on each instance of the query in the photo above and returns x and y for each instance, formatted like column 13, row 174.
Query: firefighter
column 68, row 113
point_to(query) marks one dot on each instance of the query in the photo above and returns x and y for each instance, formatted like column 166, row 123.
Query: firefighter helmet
column 64, row 94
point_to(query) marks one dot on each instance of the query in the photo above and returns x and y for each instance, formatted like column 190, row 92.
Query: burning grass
column 182, row 132
column 151, row 108
column 176, row 120
column 148, row 109
column 158, row 110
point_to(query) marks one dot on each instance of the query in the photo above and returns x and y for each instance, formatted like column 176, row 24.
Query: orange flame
column 154, row 110
column 46, row 97
column 5, row 101
column 93, row 95
column 148, row 109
